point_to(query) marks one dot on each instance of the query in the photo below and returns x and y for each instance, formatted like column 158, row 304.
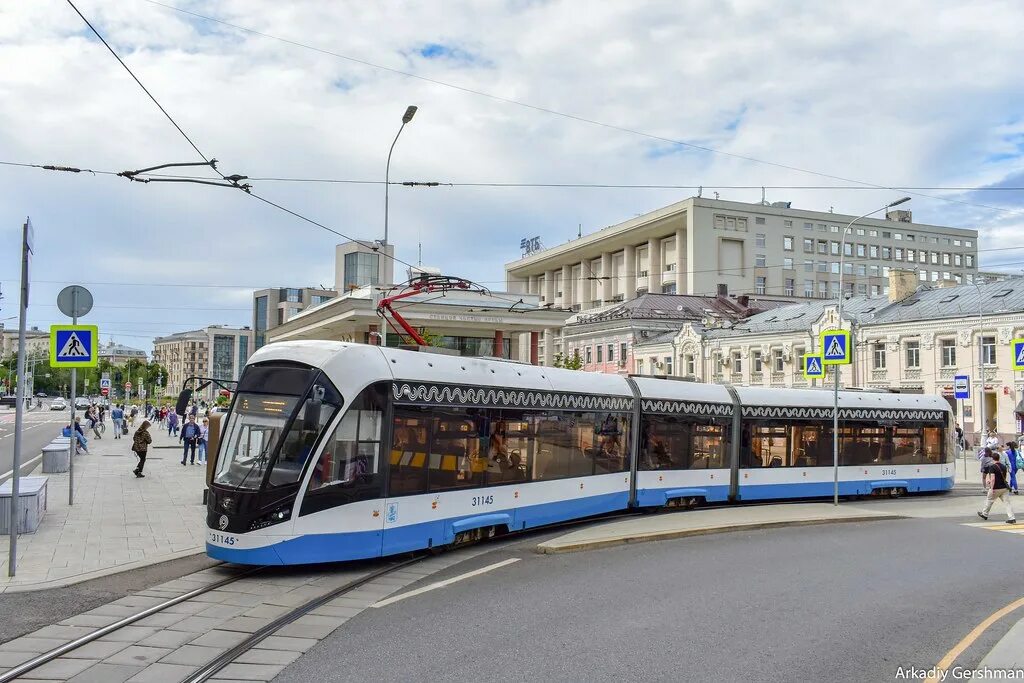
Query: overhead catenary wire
column 555, row 112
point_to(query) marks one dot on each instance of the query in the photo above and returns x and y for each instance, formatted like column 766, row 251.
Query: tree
column 573, row 362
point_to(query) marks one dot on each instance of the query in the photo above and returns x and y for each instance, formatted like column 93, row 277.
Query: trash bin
column 56, row 458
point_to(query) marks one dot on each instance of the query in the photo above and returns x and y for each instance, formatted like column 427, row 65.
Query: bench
column 30, row 508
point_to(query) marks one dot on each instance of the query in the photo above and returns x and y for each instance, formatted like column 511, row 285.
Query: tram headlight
column 281, row 514
column 227, row 504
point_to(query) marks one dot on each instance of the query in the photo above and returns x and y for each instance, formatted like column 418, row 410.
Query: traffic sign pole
column 74, row 437
column 836, row 350
column 26, row 259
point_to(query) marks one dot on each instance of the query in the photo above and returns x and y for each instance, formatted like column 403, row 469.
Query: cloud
column 928, row 97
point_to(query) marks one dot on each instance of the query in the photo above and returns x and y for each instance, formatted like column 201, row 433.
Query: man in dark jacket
column 190, row 435
column 998, row 490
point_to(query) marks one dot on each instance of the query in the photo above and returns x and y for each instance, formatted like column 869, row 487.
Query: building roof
column 683, row 307
column 927, row 303
column 115, row 349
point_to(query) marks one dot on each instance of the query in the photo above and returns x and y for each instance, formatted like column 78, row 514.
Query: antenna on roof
column 763, row 202
column 716, row 195
column 579, row 231
column 700, row 190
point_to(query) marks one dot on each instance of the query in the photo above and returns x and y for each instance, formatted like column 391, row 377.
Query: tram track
column 49, row 656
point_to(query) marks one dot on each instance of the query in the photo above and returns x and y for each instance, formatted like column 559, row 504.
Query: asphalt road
column 846, row 602
column 40, row 427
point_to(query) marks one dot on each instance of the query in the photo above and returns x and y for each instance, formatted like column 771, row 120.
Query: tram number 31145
column 483, row 500
column 888, row 473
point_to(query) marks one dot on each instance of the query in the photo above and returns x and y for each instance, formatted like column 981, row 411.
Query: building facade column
column 654, row 265
column 629, row 274
column 680, row 262
column 374, row 340
column 568, row 287
column 549, row 287
column 499, row 344
column 606, row 277
column 583, row 287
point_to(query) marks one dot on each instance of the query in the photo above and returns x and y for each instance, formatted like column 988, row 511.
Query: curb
column 97, row 574
column 545, row 549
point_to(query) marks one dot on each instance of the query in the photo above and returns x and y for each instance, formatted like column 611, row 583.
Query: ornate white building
column 913, row 341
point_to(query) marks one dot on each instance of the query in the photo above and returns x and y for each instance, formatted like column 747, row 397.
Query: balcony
column 879, row 374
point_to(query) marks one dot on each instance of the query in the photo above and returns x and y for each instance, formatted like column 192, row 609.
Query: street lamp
column 836, row 368
column 406, row 118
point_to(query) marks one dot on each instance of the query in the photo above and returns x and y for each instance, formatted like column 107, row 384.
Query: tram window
column 811, row 445
column 348, row 468
column 509, row 441
column 769, row 446
column 553, row 435
column 611, row 448
column 454, row 458
column 254, row 428
column 907, row 447
column 676, row 443
column 299, row 441
column 408, row 472
column 934, row 442
column 864, row 444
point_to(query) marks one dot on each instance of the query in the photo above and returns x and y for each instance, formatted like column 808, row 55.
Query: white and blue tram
column 335, row 451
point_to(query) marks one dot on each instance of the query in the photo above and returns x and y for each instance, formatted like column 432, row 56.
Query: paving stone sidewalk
column 118, row 522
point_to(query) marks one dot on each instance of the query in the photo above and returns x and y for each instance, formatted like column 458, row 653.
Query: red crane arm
column 427, row 284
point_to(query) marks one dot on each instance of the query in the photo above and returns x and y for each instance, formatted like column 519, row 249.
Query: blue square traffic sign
column 1018, row 354
column 73, row 346
column 836, row 347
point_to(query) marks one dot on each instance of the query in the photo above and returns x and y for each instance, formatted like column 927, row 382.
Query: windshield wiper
column 261, row 457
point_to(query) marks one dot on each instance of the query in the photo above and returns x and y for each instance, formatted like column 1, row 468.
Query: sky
column 908, row 94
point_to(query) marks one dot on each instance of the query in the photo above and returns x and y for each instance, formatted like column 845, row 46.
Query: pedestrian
column 959, row 437
column 204, row 438
column 172, row 423
column 195, row 410
column 998, row 490
column 190, row 435
column 79, row 435
column 117, row 416
column 140, row 444
column 163, row 415
column 985, row 458
column 132, row 413
column 1015, row 462
column 992, row 441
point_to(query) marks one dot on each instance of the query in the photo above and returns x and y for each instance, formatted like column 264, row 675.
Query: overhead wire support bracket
column 230, row 181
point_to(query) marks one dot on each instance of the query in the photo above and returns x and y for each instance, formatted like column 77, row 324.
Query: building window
column 777, row 362
column 875, row 290
column 860, row 251
column 822, row 247
column 243, row 349
column 808, row 245
column 600, row 353
column 834, row 248
column 668, row 365
column 948, row 353
column 668, row 288
column 361, row 269
column 260, row 320
column 862, row 270
column 808, row 266
column 788, row 224
column 945, row 259
column 822, row 227
column 787, row 243
column 835, row 267
column 588, row 356
column 808, row 226
column 957, row 260
column 988, row 350
column 318, row 299
column 898, row 236
column 899, row 254
column 737, row 360
column 935, row 258
column 759, row 220
column 787, row 264
column 808, row 287
column 847, row 249
column 822, row 290
column 922, row 275
column 759, row 284
column 223, row 357
column 862, row 289
column 759, row 238
column 886, row 253
column 622, row 352
column 760, row 261
column 755, row 361
column 833, row 228
column 822, row 266
column 969, row 260
column 873, row 251
column 639, row 366
column 790, row 285
column 293, row 296
column 691, row 365
column 922, row 256
column 611, row 353
column 913, row 355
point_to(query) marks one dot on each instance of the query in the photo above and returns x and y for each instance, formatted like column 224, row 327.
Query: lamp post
column 980, row 359
column 406, row 118
column 836, row 368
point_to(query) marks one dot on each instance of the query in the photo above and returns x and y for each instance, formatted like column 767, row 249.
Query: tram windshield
column 256, row 425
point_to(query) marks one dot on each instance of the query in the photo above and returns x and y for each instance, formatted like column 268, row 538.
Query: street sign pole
column 836, row 350
column 74, row 436
column 73, row 301
column 961, row 391
column 26, row 259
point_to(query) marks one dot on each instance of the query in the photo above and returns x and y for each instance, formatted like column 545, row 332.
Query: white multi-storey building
column 706, row 246
column 215, row 351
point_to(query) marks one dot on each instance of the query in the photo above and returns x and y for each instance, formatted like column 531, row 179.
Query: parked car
column 58, row 404
column 41, row 394
column 81, row 402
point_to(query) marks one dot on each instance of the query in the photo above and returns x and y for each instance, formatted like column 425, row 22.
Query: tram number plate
column 223, row 539
column 483, row 500
column 888, row 473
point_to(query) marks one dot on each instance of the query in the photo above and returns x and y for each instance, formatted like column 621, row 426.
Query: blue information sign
column 961, row 386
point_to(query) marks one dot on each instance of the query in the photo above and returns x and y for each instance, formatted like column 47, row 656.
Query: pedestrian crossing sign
column 73, row 346
column 836, row 347
column 1018, row 354
column 814, row 368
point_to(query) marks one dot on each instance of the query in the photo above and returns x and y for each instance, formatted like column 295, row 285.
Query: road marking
column 5, row 475
column 446, row 582
column 969, row 639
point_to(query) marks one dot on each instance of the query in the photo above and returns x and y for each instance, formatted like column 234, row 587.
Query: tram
column 334, row 451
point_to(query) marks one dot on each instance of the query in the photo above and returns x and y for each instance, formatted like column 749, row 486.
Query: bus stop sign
column 961, row 386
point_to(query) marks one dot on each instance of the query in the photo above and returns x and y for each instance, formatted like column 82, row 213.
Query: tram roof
column 654, row 387
column 847, row 399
